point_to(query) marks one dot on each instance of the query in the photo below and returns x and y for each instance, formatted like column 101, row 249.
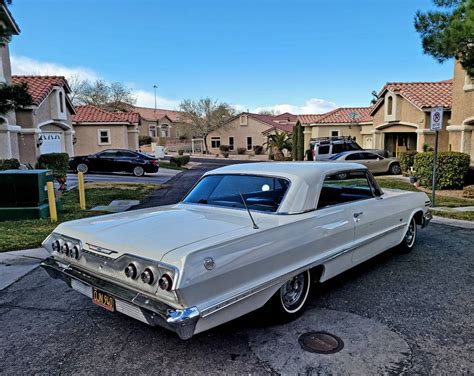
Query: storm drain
column 320, row 342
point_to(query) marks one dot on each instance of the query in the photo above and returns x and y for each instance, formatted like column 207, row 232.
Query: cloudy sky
column 301, row 56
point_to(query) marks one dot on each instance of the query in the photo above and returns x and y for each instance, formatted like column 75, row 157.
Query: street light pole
column 155, row 87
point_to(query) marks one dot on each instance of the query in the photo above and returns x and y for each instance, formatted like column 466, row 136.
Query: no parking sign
column 436, row 118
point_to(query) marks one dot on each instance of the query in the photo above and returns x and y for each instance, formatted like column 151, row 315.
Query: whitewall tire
column 408, row 242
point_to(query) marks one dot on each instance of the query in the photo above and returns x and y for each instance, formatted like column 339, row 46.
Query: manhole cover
column 320, row 342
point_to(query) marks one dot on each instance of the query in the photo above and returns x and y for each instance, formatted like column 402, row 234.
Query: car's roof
column 306, row 178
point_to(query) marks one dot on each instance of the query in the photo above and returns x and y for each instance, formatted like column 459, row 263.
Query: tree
column 77, row 85
column 449, row 33
column 298, row 142
column 110, row 96
column 268, row 112
column 375, row 98
column 13, row 97
column 206, row 115
column 278, row 142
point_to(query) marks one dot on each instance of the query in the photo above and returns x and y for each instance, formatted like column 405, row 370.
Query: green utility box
column 24, row 195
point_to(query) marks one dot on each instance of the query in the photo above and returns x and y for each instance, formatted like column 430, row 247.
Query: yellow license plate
column 103, row 300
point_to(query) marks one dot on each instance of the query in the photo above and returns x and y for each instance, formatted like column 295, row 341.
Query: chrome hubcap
column 82, row 168
column 138, row 170
column 410, row 235
column 292, row 291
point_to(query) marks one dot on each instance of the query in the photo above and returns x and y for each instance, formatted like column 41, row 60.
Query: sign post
column 436, row 125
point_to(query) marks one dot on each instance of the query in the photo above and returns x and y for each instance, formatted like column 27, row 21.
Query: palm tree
column 278, row 142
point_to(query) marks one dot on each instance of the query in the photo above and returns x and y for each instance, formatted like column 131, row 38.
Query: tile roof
column 339, row 116
column 40, row 87
column 152, row 114
column 421, row 94
column 93, row 114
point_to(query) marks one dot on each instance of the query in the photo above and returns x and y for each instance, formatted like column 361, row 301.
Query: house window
column 389, row 105
column 104, row 136
column 231, row 143
column 249, row 143
column 61, row 102
column 215, row 142
column 334, row 133
column 164, row 131
column 152, row 130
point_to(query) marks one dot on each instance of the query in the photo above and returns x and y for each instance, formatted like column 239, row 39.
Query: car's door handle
column 357, row 215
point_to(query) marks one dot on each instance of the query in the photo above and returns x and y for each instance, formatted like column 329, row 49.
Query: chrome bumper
column 128, row 302
column 427, row 217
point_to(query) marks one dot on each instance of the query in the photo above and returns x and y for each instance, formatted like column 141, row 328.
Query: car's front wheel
column 395, row 169
column 408, row 242
column 138, row 171
column 82, row 167
column 289, row 301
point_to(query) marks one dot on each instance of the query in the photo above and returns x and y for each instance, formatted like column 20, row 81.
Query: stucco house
column 461, row 127
column 97, row 129
column 344, row 121
column 9, row 129
column 247, row 130
column 163, row 125
column 46, row 125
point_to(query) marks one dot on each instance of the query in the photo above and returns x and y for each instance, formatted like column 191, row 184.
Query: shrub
column 451, row 172
column 468, row 191
column 223, row 148
column 58, row 162
column 225, row 154
column 180, row 161
column 180, row 152
column 258, row 149
column 144, row 140
column 406, row 161
column 9, row 164
column 241, row 150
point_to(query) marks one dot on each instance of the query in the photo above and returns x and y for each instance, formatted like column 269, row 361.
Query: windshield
column 261, row 193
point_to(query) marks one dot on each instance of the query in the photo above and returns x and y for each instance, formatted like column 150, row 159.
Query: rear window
column 261, row 193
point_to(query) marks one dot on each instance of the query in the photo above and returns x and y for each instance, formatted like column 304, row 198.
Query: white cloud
column 311, row 106
column 147, row 99
column 22, row 65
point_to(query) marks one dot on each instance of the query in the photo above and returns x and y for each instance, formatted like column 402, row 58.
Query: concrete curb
column 453, row 222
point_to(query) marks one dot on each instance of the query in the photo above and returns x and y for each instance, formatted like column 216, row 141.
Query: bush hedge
column 180, row 160
column 258, row 149
column 241, row 150
column 468, row 191
column 406, row 161
column 9, row 164
column 144, row 140
column 224, row 148
column 452, row 168
column 58, row 162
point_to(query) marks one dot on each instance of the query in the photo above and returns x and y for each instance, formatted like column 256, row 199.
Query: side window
column 125, row 154
column 369, row 156
column 338, row 148
column 353, row 157
column 323, row 149
column 107, row 154
column 345, row 187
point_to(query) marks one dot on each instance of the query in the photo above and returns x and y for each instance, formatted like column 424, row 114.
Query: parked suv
column 323, row 148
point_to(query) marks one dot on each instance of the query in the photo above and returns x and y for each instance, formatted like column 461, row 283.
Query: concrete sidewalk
column 16, row 264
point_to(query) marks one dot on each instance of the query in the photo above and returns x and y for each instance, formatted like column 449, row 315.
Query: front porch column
column 460, row 138
column 377, row 141
column 69, row 142
column 9, row 141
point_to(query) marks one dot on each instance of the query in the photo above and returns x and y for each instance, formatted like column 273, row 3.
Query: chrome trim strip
column 236, row 298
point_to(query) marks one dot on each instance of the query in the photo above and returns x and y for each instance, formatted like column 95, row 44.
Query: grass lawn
column 450, row 202
column 30, row 233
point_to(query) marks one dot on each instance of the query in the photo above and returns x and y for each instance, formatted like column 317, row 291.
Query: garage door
column 52, row 142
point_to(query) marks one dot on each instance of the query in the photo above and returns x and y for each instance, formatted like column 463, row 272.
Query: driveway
column 396, row 314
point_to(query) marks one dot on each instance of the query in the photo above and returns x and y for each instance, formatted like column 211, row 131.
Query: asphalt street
column 397, row 314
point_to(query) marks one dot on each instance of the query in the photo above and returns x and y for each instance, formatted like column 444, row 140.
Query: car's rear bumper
column 127, row 301
column 427, row 217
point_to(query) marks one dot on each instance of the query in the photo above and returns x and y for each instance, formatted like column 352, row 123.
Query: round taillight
column 165, row 282
column 75, row 252
column 66, row 248
column 131, row 271
column 147, row 276
column 57, row 245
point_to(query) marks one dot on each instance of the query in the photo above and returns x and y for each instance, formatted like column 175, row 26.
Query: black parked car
column 115, row 161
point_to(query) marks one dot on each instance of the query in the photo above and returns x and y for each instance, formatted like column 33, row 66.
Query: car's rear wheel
column 395, row 169
column 138, row 171
column 82, row 167
column 289, row 301
column 408, row 242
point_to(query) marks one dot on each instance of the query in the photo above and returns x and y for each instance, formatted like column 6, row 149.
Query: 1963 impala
column 245, row 236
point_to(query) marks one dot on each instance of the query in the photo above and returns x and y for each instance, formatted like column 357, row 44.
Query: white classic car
column 245, row 236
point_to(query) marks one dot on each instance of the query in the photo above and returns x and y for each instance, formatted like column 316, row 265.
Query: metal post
column 435, row 158
column 52, row 202
column 82, row 193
